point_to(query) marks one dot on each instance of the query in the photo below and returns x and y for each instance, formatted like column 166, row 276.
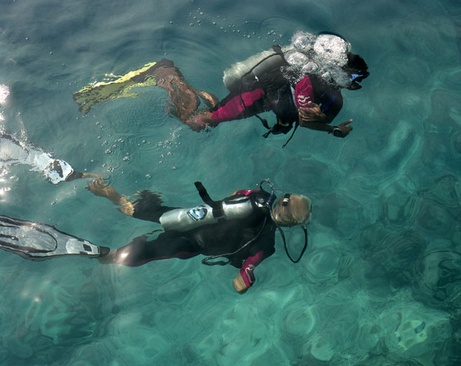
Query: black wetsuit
column 225, row 236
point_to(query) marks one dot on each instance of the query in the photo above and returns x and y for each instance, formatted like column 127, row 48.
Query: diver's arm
column 314, row 119
column 246, row 278
column 262, row 248
column 310, row 112
column 342, row 130
column 265, row 248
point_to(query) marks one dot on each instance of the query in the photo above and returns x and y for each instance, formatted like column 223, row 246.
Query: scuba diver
column 238, row 230
column 300, row 83
column 15, row 152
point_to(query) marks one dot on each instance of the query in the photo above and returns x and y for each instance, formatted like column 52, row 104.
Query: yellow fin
column 121, row 87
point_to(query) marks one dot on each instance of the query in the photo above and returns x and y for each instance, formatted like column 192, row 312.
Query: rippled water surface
column 381, row 281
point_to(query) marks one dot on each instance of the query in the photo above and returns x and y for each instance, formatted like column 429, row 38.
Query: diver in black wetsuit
column 239, row 230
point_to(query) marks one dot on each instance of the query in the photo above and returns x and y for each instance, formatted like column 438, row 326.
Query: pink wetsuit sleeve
column 304, row 92
column 245, row 192
column 248, row 266
column 235, row 107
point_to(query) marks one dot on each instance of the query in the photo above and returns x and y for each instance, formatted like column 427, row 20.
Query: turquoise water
column 380, row 283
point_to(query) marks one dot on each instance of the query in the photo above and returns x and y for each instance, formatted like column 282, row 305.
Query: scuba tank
column 254, row 67
column 185, row 219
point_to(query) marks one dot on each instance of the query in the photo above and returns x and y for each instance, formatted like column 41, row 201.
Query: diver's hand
column 245, row 279
column 311, row 114
column 239, row 284
column 343, row 129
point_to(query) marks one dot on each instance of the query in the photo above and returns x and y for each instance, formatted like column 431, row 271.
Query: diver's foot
column 108, row 257
column 103, row 251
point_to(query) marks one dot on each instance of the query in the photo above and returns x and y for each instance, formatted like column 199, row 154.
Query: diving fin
column 37, row 241
column 121, row 87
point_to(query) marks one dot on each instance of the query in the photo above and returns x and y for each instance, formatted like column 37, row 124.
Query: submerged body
column 301, row 83
column 238, row 230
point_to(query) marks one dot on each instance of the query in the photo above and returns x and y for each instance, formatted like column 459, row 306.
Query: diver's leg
column 147, row 205
column 183, row 99
column 233, row 107
column 239, row 106
column 78, row 175
column 99, row 188
column 141, row 250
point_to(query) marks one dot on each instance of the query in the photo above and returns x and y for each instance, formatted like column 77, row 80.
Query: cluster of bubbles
column 324, row 55
column 227, row 24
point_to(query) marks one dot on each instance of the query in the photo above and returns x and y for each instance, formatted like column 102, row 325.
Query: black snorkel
column 303, row 250
column 285, row 201
column 270, row 200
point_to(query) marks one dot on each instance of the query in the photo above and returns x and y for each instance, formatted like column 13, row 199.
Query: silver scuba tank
column 253, row 67
column 185, row 219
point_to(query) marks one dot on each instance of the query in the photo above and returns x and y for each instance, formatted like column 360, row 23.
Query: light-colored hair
column 296, row 211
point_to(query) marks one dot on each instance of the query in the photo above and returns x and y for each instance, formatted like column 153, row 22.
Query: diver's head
column 357, row 69
column 291, row 210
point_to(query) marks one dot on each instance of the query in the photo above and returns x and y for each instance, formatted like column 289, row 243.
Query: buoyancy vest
column 230, row 208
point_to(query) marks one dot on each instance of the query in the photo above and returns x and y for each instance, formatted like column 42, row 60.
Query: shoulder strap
column 218, row 211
